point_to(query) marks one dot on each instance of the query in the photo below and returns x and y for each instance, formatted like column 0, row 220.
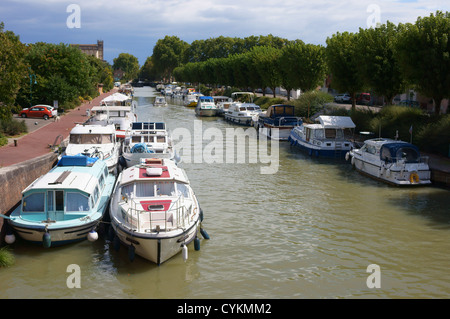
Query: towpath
column 44, row 133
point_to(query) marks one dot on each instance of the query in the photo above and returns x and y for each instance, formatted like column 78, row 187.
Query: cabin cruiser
column 154, row 210
column 206, row 106
column 146, row 140
column 391, row 161
column 160, row 101
column 66, row 204
column 191, row 99
column 325, row 138
column 120, row 116
column 223, row 103
column 277, row 121
column 242, row 113
column 95, row 141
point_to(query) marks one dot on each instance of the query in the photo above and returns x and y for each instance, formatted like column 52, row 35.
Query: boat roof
column 328, row 121
column 111, row 108
column 72, row 172
column 200, row 98
column 93, row 129
column 280, row 110
column 154, row 169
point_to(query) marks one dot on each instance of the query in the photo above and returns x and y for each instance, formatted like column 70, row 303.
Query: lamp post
column 32, row 76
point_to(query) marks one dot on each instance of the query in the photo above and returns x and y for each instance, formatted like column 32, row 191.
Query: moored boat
column 146, row 140
column 95, row 141
column 154, row 211
column 223, row 103
column 391, row 161
column 66, row 204
column 242, row 113
column 206, row 106
column 160, row 101
column 277, row 121
column 325, row 138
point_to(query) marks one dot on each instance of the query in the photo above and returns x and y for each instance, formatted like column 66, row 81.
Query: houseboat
column 206, row 106
column 277, row 121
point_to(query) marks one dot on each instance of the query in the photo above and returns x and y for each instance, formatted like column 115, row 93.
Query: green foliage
column 13, row 127
column 127, row 63
column 343, row 64
column 264, row 101
column 378, row 67
column 435, row 137
column 6, row 257
column 310, row 103
column 423, row 51
column 168, row 53
column 395, row 118
column 13, row 70
column 3, row 140
column 362, row 119
column 264, row 60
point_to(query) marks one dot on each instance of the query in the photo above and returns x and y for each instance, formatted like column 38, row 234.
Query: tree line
column 387, row 59
column 44, row 72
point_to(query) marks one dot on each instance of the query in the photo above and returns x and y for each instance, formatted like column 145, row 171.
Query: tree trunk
column 288, row 94
column 353, row 94
column 437, row 107
column 273, row 91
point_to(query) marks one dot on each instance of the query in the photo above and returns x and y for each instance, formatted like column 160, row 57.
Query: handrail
column 177, row 208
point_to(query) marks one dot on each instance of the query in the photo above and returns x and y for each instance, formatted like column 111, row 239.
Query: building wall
column 92, row 49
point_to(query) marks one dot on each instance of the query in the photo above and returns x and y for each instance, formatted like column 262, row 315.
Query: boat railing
column 404, row 160
column 175, row 217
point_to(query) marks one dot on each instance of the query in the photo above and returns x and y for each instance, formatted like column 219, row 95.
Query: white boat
column 66, row 204
column 223, row 103
column 206, row 106
column 95, row 141
column 191, row 99
column 391, row 161
column 324, row 139
column 242, row 113
column 117, row 99
column 146, row 140
column 160, row 101
column 154, row 211
column 120, row 116
column 277, row 121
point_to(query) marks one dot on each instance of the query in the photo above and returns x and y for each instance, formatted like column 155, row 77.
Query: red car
column 44, row 111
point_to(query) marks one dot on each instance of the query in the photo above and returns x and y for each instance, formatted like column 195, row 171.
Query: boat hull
column 393, row 176
column 280, row 133
column 320, row 151
column 59, row 235
column 206, row 112
column 243, row 120
column 156, row 247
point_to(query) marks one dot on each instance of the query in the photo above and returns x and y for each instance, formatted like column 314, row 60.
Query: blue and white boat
column 206, row 106
column 326, row 138
column 277, row 121
column 391, row 161
column 66, row 204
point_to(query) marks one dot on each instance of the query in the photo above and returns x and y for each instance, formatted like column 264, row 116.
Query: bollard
column 15, row 142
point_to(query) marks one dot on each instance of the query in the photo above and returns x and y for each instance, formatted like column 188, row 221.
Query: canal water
column 310, row 230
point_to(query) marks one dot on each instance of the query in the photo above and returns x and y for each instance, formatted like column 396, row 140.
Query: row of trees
column 43, row 72
column 386, row 60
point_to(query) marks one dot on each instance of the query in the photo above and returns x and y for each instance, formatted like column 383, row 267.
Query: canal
column 309, row 230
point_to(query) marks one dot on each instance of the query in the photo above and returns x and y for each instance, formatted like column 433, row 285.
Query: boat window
column 135, row 139
column 148, row 139
column 105, row 171
column 250, row 108
column 59, row 200
column 76, row 202
column 330, row 133
column 408, row 154
column 318, row 133
column 160, row 139
column 34, row 203
column 95, row 195
column 339, row 133
column 144, row 190
column 50, row 195
column 91, row 138
column 370, row 149
column 101, row 181
column 165, row 188
column 182, row 189
column 127, row 190
column 242, row 108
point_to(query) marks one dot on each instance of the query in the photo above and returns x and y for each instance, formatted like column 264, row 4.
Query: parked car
column 44, row 111
column 363, row 98
column 343, row 98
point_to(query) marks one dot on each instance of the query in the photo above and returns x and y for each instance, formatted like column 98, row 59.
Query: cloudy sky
column 134, row 26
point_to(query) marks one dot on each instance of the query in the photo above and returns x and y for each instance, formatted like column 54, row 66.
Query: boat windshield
column 155, row 189
column 91, row 138
column 406, row 154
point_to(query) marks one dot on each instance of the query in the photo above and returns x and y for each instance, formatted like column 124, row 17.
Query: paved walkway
column 36, row 142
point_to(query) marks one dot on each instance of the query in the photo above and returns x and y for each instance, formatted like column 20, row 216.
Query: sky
column 134, row 26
